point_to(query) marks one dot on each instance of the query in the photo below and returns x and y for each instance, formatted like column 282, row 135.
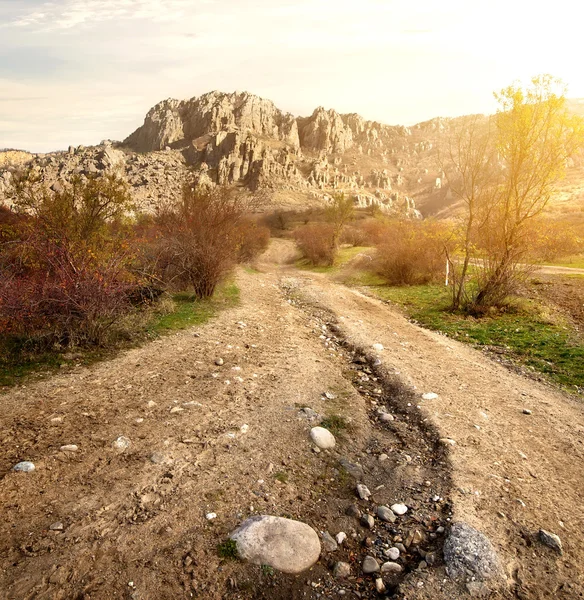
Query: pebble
column 363, row 491
column 383, row 457
column 429, row 396
column 329, row 396
column 399, row 509
column 121, row 443
column 58, row 526
column 551, row 539
column 380, row 586
column 151, row 404
column 176, row 409
column 392, row 553
column 210, row 516
column 386, row 418
column 368, row 521
column 353, row 511
column 69, row 448
column 342, row 570
column 25, row 466
column 526, row 411
column 391, row 567
column 329, row 543
column 447, row 442
column 322, row 438
column 386, row 514
column 341, row 537
column 157, row 458
column 219, row 362
column 378, row 347
column 370, row 565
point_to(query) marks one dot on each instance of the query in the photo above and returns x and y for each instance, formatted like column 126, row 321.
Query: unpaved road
column 134, row 523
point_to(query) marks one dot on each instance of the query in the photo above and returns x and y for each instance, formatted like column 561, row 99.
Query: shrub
column 412, row 252
column 316, row 241
column 353, row 235
column 254, row 239
column 64, row 277
column 198, row 240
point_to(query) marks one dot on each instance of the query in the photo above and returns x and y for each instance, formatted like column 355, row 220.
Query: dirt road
column 233, row 440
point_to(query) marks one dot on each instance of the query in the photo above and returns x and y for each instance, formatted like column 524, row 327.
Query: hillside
column 243, row 140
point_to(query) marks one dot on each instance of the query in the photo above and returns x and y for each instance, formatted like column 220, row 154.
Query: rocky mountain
column 242, row 140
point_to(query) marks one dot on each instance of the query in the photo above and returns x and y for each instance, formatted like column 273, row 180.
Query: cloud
column 67, row 14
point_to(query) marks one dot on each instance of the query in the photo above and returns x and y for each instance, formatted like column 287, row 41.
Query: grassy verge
column 344, row 256
column 182, row 311
column 525, row 335
column 574, row 262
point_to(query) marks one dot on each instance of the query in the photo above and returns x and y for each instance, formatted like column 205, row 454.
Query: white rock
column 151, row 404
column 380, row 586
column 378, row 347
column 24, row 467
column 219, row 362
column 399, row 509
column 58, row 526
column 210, row 516
column 392, row 553
column 322, row 438
column 69, row 448
column 363, row 491
column 429, row 396
column 341, row 537
column 244, row 428
column 386, row 418
column 447, row 441
column 176, row 409
column 391, row 567
column 121, row 443
column 287, row 545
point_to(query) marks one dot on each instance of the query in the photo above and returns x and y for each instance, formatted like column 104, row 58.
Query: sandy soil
column 134, row 522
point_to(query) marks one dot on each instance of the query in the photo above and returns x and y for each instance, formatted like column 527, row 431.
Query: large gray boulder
column 469, row 553
column 286, row 545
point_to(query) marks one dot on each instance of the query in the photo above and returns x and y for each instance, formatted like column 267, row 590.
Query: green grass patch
column 344, row 256
column 523, row 334
column 281, row 476
column 335, row 424
column 574, row 262
column 189, row 311
column 19, row 360
column 227, row 550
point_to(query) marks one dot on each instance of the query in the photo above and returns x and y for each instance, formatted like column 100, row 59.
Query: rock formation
column 242, row 140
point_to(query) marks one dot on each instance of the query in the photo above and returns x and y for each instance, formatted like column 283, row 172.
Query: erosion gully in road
column 233, row 440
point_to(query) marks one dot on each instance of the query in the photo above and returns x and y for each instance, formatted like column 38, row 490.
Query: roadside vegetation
column 471, row 277
column 81, row 273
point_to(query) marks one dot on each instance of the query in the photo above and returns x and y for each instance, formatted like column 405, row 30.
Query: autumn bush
column 411, row 252
column 316, row 241
column 64, row 278
column 200, row 238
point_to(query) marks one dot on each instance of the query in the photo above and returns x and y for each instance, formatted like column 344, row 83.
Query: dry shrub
column 316, row 241
column 354, row 235
column 412, row 252
column 254, row 239
column 198, row 240
column 64, row 278
column 553, row 239
column 374, row 231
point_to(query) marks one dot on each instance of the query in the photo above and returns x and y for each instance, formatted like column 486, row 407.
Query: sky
column 79, row 71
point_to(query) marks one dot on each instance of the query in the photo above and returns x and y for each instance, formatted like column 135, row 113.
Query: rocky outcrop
column 242, row 140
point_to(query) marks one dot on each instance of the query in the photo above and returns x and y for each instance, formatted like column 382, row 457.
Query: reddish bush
column 316, row 241
column 254, row 239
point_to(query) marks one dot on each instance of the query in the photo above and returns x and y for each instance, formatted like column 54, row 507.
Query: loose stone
column 391, row 567
column 385, row 514
column 392, row 553
column 329, row 544
column 121, row 443
column 370, row 565
column 363, row 491
column 219, row 362
column 69, row 448
column 380, row 586
column 342, row 570
column 322, row 438
column 368, row 521
column 551, row 540
column 284, row 544
column 24, row 467
column 341, row 537
column 399, row 509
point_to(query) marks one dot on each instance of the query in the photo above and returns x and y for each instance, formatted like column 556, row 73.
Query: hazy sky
column 78, row 71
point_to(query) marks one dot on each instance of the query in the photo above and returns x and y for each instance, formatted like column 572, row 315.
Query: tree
column 341, row 212
column 505, row 172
